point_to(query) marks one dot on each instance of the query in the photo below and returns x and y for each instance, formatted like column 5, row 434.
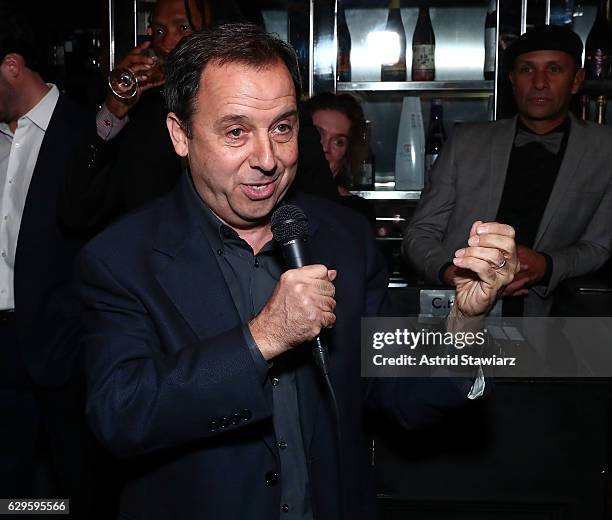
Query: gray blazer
column 467, row 184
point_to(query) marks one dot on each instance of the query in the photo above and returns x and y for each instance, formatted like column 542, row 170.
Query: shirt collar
column 214, row 229
column 41, row 113
column 562, row 127
column 210, row 224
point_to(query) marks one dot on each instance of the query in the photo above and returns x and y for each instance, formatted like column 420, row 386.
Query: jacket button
column 282, row 444
column 285, row 508
column 272, row 478
column 235, row 419
column 212, row 426
column 275, row 381
column 224, row 422
column 246, row 414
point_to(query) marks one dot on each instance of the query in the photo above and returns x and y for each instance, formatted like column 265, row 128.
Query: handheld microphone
column 290, row 230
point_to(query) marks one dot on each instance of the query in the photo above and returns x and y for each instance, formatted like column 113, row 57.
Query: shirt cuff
column 261, row 365
column 108, row 124
column 441, row 272
column 478, row 387
column 549, row 269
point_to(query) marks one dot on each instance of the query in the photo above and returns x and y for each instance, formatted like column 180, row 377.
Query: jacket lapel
column 310, row 384
column 190, row 274
column 571, row 160
column 196, row 286
column 501, row 147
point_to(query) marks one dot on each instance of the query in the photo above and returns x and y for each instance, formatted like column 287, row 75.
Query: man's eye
column 236, row 133
column 158, row 32
column 185, row 28
column 283, row 128
column 340, row 142
column 283, row 132
column 555, row 69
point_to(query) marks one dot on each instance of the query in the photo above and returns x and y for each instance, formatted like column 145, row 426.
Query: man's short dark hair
column 229, row 43
column 17, row 35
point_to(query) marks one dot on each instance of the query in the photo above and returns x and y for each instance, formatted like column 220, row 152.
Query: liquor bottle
column 395, row 71
column 601, row 105
column 435, row 136
column 410, row 150
column 364, row 177
column 597, row 46
column 423, row 48
column 343, row 64
column 585, row 102
column 490, row 40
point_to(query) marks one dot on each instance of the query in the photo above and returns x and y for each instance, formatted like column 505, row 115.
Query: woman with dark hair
column 340, row 121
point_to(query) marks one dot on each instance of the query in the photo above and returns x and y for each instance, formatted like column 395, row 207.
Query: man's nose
column 325, row 143
column 169, row 42
column 263, row 157
column 540, row 79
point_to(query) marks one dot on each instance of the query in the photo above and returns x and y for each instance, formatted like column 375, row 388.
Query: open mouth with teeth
column 259, row 191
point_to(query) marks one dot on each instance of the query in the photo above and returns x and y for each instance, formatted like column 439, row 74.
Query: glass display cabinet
column 460, row 85
column 319, row 35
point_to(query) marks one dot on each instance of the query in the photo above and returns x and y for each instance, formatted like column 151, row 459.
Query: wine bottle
column 490, row 40
column 343, row 64
column 597, row 46
column 423, row 48
column 364, row 179
column 395, row 71
column 435, row 136
column 585, row 102
column 601, row 105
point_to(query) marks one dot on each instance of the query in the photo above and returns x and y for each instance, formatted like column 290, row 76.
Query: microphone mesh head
column 289, row 223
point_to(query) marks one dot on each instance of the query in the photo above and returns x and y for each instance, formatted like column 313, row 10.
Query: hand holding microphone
column 302, row 303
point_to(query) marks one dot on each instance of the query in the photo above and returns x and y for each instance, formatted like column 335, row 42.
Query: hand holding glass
column 124, row 82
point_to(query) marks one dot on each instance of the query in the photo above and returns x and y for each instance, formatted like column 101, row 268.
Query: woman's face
column 334, row 128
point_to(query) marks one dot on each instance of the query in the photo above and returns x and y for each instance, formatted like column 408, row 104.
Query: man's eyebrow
column 290, row 113
column 533, row 63
column 176, row 19
column 237, row 118
column 231, row 119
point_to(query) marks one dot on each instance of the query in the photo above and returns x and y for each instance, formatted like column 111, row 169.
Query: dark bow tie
column 552, row 141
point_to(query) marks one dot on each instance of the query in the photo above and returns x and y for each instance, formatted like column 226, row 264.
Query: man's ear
column 177, row 134
column 13, row 64
column 578, row 79
column 511, row 77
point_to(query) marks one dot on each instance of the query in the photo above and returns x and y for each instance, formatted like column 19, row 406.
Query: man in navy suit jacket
column 198, row 366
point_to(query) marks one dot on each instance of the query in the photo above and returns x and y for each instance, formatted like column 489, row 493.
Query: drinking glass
column 124, row 83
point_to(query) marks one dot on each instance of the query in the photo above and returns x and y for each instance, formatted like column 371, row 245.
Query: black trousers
column 19, row 417
column 46, row 448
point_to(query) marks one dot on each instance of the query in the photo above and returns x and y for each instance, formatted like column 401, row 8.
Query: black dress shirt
column 251, row 279
column 530, row 178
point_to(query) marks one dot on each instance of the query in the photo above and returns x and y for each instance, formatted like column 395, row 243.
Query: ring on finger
column 498, row 267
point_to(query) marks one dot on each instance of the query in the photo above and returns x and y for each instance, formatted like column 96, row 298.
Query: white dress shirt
column 18, row 156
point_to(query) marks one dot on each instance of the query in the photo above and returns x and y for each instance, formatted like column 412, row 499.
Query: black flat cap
column 545, row 38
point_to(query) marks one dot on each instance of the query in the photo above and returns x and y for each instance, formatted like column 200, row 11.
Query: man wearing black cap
column 544, row 172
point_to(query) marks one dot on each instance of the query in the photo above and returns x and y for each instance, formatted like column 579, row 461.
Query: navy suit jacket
column 47, row 314
column 173, row 388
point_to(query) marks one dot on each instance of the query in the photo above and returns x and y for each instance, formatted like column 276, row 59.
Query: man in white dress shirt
column 40, row 387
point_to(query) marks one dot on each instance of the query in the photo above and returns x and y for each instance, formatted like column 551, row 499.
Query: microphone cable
column 340, row 445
